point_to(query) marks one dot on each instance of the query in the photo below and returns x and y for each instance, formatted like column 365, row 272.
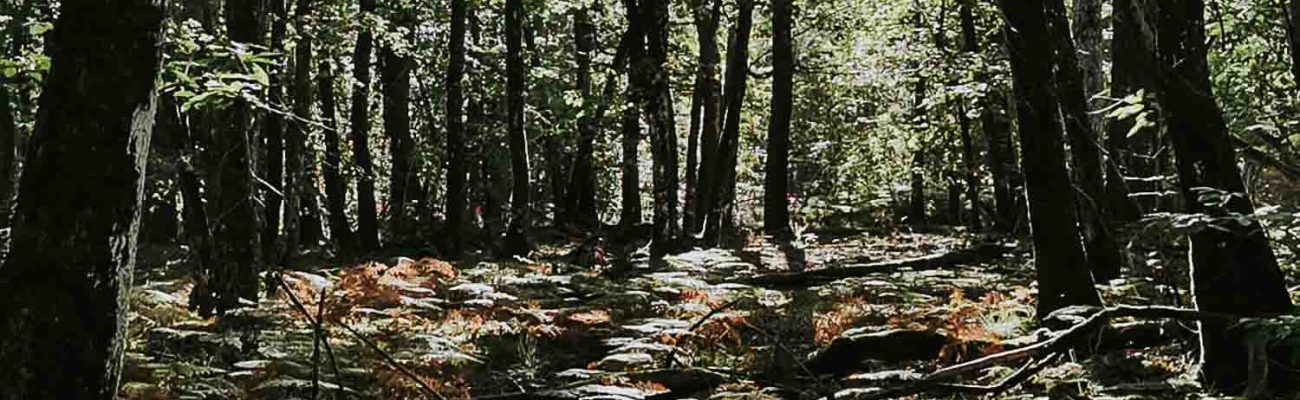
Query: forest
column 649, row 199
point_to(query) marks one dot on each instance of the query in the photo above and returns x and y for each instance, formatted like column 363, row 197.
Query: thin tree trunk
column 367, row 234
column 1062, row 270
column 776, row 212
column 1293, row 37
column 1103, row 253
column 517, row 241
column 8, row 120
column 707, row 14
column 64, row 288
column 456, row 172
column 722, row 219
column 1233, row 267
column 273, row 124
column 630, row 169
column 336, row 187
column 917, row 203
column 658, row 105
column 1087, row 26
column 580, row 204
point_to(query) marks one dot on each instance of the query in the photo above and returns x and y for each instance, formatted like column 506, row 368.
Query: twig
column 672, row 356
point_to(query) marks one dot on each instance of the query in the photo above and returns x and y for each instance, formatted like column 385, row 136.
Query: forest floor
column 566, row 327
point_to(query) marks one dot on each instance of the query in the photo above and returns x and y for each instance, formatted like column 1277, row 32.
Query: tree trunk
column 8, row 121
column 580, row 204
column 995, row 124
column 367, row 234
column 1087, row 26
column 1103, row 253
column 658, row 105
column 237, row 227
column 404, row 183
column 64, row 288
column 1233, row 267
column 456, row 160
column 1293, row 37
column 336, row 187
column 916, row 213
column 300, row 165
column 631, row 171
column 722, row 219
column 517, row 242
column 1130, row 63
column 969, row 44
column 776, row 187
column 273, row 134
column 706, row 27
column 1063, row 276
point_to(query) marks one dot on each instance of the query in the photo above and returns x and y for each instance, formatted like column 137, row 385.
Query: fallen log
column 973, row 255
column 846, row 353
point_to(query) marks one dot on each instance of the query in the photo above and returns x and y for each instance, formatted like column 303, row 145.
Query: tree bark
column 706, row 28
column 1130, row 65
column 722, row 219
column 300, row 168
column 456, row 160
column 1062, row 270
column 1293, row 37
column 1102, row 251
column 1234, row 270
column 630, row 168
column 969, row 44
column 404, row 183
column 776, row 188
column 580, row 204
column 658, row 106
column 336, row 187
column 273, row 124
column 367, row 235
column 64, row 288
column 517, row 241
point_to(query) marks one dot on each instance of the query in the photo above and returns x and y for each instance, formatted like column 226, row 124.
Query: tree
column 367, row 235
column 1131, row 62
column 917, row 203
column 1234, row 270
column 336, row 187
column 631, row 123
column 580, row 203
column 657, row 101
column 63, row 289
column 237, row 227
column 299, row 163
column 776, row 212
column 455, row 108
column 706, row 14
column 521, row 193
column 1062, row 271
column 8, row 122
column 1293, row 37
column 1085, row 153
column 273, row 136
column 404, row 185
column 721, row 220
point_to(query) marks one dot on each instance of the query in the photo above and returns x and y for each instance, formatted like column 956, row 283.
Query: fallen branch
column 972, row 255
column 1070, row 338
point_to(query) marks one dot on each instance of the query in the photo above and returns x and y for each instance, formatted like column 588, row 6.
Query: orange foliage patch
column 829, row 325
column 593, row 317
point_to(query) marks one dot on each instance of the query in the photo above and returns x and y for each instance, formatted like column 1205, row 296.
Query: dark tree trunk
column 776, row 212
column 995, row 124
column 237, row 227
column 706, row 28
column 580, row 204
column 1063, row 275
column 969, row 44
column 1087, row 26
column 367, row 235
column 404, row 183
column 8, row 121
column 1233, row 267
column 630, row 168
column 658, row 105
column 273, row 134
column 1130, row 63
column 63, row 289
column 456, row 160
column 722, row 219
column 1103, row 253
column 300, row 168
column 917, row 204
column 336, row 187
column 517, row 241
column 1293, row 37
